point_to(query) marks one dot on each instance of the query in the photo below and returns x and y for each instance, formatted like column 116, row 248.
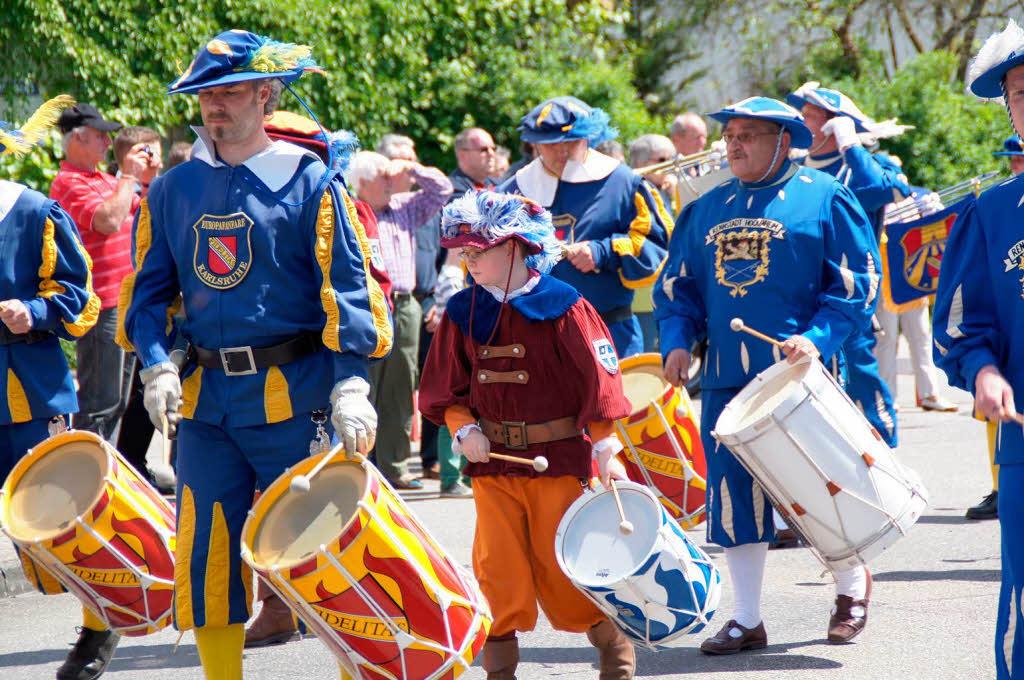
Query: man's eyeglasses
column 745, row 137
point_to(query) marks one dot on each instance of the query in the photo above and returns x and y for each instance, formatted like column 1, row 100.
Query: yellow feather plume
column 275, row 57
column 21, row 140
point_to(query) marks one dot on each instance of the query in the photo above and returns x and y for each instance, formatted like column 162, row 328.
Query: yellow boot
column 220, row 651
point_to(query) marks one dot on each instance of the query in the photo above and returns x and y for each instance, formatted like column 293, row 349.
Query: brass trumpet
column 915, row 207
column 683, row 163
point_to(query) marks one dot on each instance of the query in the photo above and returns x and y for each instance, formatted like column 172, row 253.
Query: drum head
column 297, row 524
column 762, row 397
column 594, row 552
column 643, row 383
column 56, row 489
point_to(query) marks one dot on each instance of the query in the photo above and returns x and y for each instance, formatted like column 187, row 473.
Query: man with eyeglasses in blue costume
column 785, row 248
column 260, row 240
column 978, row 325
column 614, row 225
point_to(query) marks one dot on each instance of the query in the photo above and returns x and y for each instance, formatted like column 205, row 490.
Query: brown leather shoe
column 850, row 616
column 723, row 643
column 273, row 626
column 617, row 656
column 501, row 656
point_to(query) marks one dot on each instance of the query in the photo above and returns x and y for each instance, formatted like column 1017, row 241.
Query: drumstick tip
column 540, row 463
column 299, row 484
column 626, row 527
column 736, row 324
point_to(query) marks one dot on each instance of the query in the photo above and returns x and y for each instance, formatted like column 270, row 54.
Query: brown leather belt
column 517, row 435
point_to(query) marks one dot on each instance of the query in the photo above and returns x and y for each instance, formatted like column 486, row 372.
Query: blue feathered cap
column 564, row 119
column 236, row 56
column 484, row 219
column 1011, row 147
column 772, row 110
column 832, row 101
column 1001, row 52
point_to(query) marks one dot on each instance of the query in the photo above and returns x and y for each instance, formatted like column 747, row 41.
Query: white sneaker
column 937, row 403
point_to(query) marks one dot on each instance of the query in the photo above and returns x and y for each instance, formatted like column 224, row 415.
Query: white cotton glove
column 929, row 204
column 718, row 150
column 353, row 416
column 844, row 130
column 162, row 395
column 450, row 281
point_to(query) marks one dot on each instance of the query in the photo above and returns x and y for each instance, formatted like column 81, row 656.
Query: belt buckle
column 510, row 426
column 225, row 359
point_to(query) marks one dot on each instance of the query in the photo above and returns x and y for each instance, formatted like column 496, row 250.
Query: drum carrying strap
column 518, row 435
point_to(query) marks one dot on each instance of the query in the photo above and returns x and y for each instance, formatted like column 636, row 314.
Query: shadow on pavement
column 127, row 658
column 944, row 519
column 941, row 575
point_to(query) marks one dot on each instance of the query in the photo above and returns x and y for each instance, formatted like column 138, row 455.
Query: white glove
column 162, row 395
column 844, row 130
column 929, row 204
column 352, row 414
column 450, row 281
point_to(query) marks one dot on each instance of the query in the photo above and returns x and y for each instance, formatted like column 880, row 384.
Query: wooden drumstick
column 737, row 325
column 300, row 483
column 625, row 526
column 166, row 440
column 540, row 463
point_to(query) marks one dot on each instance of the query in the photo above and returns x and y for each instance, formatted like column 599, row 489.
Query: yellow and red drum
column 82, row 513
column 358, row 568
column 662, row 440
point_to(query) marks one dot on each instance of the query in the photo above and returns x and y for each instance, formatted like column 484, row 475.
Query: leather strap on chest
column 485, row 377
column 516, row 351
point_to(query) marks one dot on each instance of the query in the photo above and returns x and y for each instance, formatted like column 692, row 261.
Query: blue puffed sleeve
column 639, row 252
column 65, row 303
column 874, row 183
column 678, row 302
column 965, row 322
column 358, row 322
column 152, row 289
column 850, row 277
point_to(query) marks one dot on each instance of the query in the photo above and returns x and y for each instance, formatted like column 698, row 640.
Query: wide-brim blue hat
column 1011, row 147
column 833, row 101
column 1001, row 52
column 772, row 110
column 237, row 56
column 565, row 119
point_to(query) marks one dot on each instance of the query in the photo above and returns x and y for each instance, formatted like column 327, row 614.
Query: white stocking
column 746, row 568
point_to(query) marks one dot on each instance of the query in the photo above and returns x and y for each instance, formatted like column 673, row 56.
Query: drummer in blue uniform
column 1014, row 153
column 280, row 311
column 978, row 326
column 45, row 294
column 614, row 225
column 786, row 249
column 836, row 148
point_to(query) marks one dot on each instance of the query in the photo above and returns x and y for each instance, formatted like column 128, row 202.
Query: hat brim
column 799, row 133
column 104, row 125
column 232, row 78
column 990, row 83
column 478, row 241
column 1008, row 153
column 798, row 103
column 541, row 137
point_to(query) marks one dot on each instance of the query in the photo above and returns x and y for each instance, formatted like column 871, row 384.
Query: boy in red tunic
column 522, row 365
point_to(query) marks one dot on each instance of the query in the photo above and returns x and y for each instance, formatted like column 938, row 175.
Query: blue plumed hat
column 564, row 119
column 772, row 110
column 236, row 56
column 485, row 219
column 837, row 103
column 1011, row 147
column 1001, row 52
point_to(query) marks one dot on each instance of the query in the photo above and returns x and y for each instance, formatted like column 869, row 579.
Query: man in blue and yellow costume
column 785, row 248
column 261, row 241
column 613, row 224
column 978, row 326
column 45, row 294
column 836, row 148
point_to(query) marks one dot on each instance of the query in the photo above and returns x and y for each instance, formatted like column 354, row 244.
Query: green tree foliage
column 426, row 68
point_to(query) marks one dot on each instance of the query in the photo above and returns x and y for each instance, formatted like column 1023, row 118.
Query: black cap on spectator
column 85, row 114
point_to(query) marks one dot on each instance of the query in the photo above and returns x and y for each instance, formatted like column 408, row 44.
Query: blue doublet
column 979, row 321
column 623, row 219
column 876, row 181
column 790, row 255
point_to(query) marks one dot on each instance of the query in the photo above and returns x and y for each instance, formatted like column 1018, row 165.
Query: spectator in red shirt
column 102, row 207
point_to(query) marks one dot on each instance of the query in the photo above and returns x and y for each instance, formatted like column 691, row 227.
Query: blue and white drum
column 654, row 583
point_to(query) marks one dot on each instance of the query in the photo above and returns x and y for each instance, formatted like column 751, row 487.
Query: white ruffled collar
column 10, row 192
column 275, row 165
column 499, row 293
column 536, row 183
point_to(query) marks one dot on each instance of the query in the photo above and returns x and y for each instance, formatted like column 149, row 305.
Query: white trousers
column 916, row 328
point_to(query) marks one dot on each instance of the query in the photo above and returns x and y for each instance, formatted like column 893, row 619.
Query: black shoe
column 988, row 508
column 786, row 538
column 89, row 657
